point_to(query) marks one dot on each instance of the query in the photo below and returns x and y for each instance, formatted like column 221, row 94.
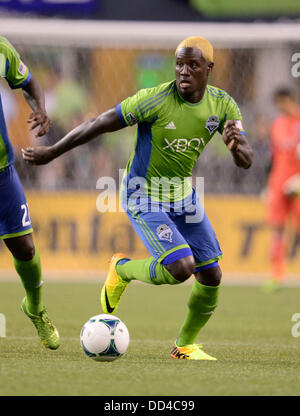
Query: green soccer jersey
column 171, row 135
column 17, row 75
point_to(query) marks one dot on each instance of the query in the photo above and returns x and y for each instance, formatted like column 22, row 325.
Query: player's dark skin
column 192, row 72
column 22, row 247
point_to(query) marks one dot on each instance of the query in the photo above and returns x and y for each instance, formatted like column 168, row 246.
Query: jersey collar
column 192, row 104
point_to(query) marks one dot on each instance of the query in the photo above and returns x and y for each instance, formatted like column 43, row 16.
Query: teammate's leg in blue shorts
column 16, row 232
column 14, row 212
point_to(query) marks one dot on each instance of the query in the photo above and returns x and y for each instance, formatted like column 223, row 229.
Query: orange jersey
column 285, row 136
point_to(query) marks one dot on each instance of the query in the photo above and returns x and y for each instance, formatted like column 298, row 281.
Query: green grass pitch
column 250, row 334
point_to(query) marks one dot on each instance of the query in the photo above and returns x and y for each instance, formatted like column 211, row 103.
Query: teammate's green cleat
column 47, row 332
column 190, row 352
column 113, row 287
column 271, row 286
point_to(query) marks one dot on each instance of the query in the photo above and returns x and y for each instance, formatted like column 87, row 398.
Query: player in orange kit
column 283, row 201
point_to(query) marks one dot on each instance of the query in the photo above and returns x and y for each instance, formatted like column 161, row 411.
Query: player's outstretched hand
column 39, row 119
column 231, row 135
column 37, row 155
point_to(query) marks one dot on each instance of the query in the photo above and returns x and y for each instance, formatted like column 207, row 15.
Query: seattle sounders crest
column 212, row 123
column 164, row 232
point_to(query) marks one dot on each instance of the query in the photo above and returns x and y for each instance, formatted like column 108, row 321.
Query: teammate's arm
column 106, row 122
column 18, row 75
column 35, row 97
column 237, row 143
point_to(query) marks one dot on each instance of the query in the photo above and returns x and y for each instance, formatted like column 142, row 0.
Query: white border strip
column 160, row 35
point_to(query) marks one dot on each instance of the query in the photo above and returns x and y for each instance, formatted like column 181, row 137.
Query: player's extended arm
column 237, row 143
column 35, row 97
column 106, row 122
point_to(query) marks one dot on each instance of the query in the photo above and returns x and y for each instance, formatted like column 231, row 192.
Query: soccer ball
column 104, row 338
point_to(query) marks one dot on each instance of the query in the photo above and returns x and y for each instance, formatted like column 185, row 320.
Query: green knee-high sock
column 148, row 271
column 31, row 276
column 202, row 302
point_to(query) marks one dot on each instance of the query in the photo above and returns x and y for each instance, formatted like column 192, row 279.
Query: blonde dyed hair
column 198, row 43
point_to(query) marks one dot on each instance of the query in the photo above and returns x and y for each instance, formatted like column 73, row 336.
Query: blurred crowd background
column 81, row 83
column 89, row 55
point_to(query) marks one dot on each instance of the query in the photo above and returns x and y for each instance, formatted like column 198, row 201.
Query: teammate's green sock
column 202, row 302
column 148, row 271
column 31, row 276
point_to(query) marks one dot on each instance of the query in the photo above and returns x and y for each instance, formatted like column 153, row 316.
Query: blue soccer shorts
column 14, row 213
column 175, row 231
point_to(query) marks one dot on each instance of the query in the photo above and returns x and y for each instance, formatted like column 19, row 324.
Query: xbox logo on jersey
column 182, row 144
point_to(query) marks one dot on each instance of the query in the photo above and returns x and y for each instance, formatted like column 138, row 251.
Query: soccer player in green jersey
column 175, row 122
column 15, row 224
